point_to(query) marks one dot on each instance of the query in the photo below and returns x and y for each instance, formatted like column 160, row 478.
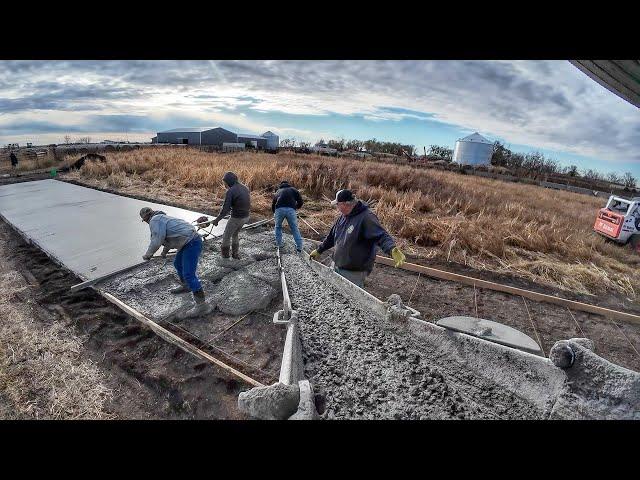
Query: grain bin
column 273, row 141
column 473, row 150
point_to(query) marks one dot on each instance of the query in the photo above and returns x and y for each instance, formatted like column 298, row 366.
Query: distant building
column 216, row 136
column 473, row 150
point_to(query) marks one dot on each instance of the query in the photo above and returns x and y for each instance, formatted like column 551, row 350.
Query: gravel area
column 363, row 368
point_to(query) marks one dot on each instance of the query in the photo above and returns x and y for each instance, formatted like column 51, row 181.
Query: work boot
column 235, row 251
column 200, row 308
column 183, row 288
column 225, row 252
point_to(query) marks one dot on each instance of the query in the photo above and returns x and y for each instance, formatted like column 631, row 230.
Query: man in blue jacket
column 172, row 232
column 285, row 203
column 355, row 236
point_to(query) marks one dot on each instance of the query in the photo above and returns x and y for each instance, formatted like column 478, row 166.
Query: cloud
column 546, row 104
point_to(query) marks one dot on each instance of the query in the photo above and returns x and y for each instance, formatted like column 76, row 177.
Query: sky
column 548, row 106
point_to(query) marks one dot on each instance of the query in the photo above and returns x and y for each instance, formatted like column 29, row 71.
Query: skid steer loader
column 619, row 221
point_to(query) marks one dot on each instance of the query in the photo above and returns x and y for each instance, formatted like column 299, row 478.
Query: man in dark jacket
column 285, row 203
column 14, row 160
column 355, row 236
column 238, row 202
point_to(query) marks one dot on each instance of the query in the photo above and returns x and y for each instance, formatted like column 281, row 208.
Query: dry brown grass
column 543, row 235
column 42, row 374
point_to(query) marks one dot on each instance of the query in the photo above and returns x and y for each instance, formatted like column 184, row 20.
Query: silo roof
column 475, row 137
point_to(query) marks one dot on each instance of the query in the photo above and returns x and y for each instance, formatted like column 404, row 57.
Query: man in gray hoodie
column 172, row 232
column 238, row 202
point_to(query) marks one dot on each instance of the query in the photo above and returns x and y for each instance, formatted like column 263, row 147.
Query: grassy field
column 530, row 232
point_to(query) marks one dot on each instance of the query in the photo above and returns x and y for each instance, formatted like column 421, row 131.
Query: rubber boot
column 235, row 249
column 183, row 288
column 225, row 252
column 200, row 308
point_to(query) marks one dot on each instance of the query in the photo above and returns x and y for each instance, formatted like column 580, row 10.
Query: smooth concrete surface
column 92, row 233
column 492, row 331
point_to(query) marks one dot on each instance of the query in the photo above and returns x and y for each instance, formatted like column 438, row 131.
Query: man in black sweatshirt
column 356, row 235
column 238, row 202
column 285, row 203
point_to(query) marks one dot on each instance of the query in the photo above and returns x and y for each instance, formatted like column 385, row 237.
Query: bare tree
column 629, row 180
column 613, row 177
column 67, row 139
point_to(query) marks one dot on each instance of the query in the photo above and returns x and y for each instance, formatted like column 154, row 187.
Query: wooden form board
column 179, row 342
column 539, row 297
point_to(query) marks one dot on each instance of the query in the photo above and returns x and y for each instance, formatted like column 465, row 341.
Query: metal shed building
column 260, row 141
column 197, row 136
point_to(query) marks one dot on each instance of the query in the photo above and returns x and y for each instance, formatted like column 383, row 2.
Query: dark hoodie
column 355, row 237
column 286, row 196
column 237, row 200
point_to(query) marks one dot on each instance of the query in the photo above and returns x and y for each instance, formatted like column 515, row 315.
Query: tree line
column 534, row 164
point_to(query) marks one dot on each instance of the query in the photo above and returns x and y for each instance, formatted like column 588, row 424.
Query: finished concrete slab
column 92, row 233
column 492, row 331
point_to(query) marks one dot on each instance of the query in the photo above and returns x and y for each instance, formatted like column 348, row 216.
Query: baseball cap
column 343, row 196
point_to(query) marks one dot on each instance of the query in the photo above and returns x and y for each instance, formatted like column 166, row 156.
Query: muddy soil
column 437, row 299
column 151, row 379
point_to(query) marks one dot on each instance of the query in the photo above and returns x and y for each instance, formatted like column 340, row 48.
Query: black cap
column 343, row 196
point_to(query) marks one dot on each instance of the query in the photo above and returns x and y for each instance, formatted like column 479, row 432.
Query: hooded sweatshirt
column 286, row 196
column 237, row 200
column 169, row 231
column 355, row 237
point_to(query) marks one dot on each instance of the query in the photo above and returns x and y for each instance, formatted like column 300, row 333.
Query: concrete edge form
column 175, row 340
column 292, row 396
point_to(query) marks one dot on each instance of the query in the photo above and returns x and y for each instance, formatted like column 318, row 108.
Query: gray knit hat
column 145, row 213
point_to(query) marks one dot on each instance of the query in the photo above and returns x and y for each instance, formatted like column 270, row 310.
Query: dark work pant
column 231, row 230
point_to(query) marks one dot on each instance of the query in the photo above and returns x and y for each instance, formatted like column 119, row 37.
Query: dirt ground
column 150, row 378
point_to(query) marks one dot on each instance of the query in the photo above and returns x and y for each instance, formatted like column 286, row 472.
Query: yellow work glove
column 398, row 256
column 314, row 255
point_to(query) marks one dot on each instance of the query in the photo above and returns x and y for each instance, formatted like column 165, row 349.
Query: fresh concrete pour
column 233, row 287
column 362, row 359
column 92, row 233
column 365, row 365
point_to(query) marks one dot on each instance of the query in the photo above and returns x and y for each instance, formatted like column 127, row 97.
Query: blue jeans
column 292, row 219
column 186, row 263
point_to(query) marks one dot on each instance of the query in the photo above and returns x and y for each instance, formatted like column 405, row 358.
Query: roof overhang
column 621, row 77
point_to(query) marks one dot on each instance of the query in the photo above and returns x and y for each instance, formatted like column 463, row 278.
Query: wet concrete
column 232, row 286
column 92, row 233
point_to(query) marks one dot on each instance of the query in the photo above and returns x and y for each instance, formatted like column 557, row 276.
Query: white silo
column 473, row 150
column 273, row 141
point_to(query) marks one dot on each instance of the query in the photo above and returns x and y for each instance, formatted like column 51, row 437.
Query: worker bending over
column 355, row 235
column 172, row 232
column 238, row 202
column 285, row 203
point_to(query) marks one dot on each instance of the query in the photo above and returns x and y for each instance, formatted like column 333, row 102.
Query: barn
column 216, row 136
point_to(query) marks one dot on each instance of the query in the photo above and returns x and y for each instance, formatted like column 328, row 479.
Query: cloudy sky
column 530, row 105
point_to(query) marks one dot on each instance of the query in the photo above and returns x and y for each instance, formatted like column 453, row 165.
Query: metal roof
column 475, row 137
column 189, row 130
column 621, row 77
column 250, row 135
